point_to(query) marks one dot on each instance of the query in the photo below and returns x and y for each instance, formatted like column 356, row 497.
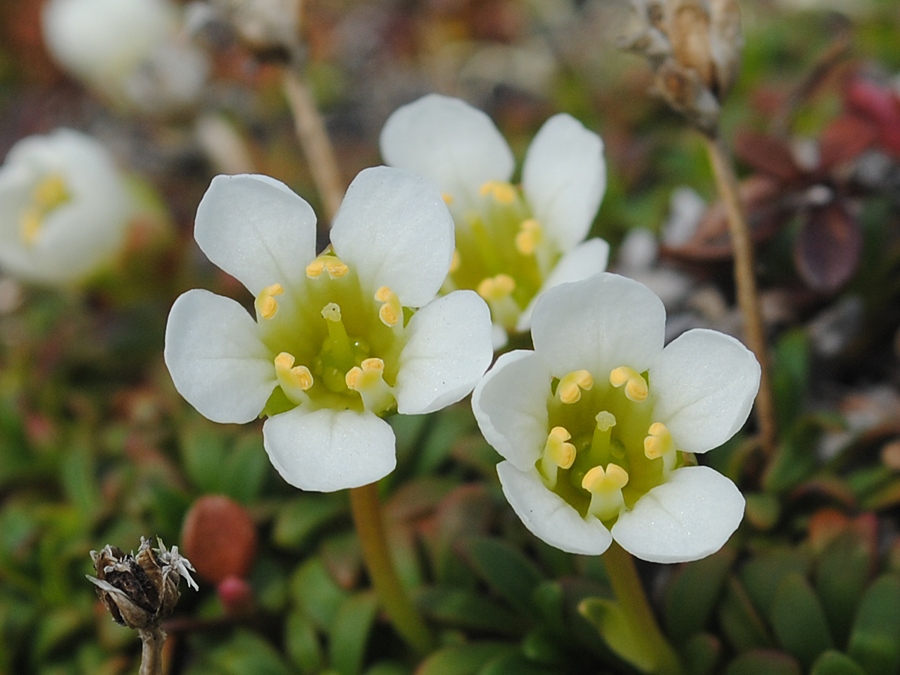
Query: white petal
column 216, row 359
column 257, row 230
column 703, row 384
column 688, row 518
column 586, row 259
column 327, row 450
column 510, row 405
column 564, row 178
column 599, row 323
column 452, row 143
column 548, row 517
column 395, row 230
column 449, row 349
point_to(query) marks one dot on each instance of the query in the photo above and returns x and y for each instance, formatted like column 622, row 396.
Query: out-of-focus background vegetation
column 96, row 446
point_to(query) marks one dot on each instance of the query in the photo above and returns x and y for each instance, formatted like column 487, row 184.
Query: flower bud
column 140, row 590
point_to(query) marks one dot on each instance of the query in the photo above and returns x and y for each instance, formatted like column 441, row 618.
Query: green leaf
column 762, row 574
column 875, row 640
column 542, row 646
column 701, row 653
column 298, row 520
column 203, row 456
column 349, row 632
column 469, row 610
column 314, row 591
column 515, row 664
column 740, row 620
column 301, row 640
column 610, row 621
column 465, row 659
column 693, row 593
column 506, row 571
column 835, row 663
column 54, row 630
column 549, row 600
column 798, row 620
column 763, row 661
column 246, row 653
column 245, row 469
column 795, row 459
column 790, row 375
column 842, row 573
column 444, row 431
column 79, row 481
column 389, row 668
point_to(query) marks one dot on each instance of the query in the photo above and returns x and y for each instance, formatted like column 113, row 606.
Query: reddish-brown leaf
column 844, row 140
column 828, row 248
column 769, row 155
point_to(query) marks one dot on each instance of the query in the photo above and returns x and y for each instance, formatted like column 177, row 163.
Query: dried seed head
column 139, row 590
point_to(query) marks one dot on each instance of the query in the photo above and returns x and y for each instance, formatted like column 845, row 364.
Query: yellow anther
column 50, row 193
column 368, row 380
column 332, row 312
column 30, row 225
column 504, row 193
column 327, row 263
column 266, row 304
column 529, row 237
column 570, row 386
column 558, row 454
column 391, row 311
column 294, row 380
column 605, row 420
column 605, row 486
column 454, row 261
column 447, row 197
column 658, row 441
column 496, row 288
column 635, row 385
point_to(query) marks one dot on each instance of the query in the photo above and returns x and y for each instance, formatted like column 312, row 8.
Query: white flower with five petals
column 598, row 424
column 340, row 339
column 65, row 208
column 512, row 242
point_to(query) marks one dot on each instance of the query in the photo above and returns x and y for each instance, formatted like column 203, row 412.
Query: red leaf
column 828, row 248
column 844, row 140
column 768, row 155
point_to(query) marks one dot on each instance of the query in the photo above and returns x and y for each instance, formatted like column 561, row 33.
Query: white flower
column 64, row 208
column 339, row 339
column 512, row 243
column 128, row 50
column 595, row 422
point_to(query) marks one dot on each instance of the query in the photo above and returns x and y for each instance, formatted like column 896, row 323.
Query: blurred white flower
column 340, row 339
column 595, row 422
column 64, row 208
column 131, row 51
column 512, row 242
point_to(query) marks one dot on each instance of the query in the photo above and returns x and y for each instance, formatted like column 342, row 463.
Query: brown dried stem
column 314, row 140
column 153, row 640
column 745, row 281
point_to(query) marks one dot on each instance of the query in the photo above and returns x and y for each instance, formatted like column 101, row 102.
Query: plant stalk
column 366, row 508
column 153, row 640
column 632, row 600
column 313, row 137
column 745, row 282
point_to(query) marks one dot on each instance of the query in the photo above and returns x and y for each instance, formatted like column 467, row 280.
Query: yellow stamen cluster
column 659, row 443
column 635, row 385
column 329, row 263
column 47, row 195
column 529, row 237
column 570, row 386
column 294, row 380
column 496, row 288
column 391, row 312
column 558, row 454
column 503, row 193
column 265, row 303
column 605, row 486
column 367, row 379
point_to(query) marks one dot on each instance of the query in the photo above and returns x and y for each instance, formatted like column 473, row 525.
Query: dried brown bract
column 140, row 590
column 694, row 47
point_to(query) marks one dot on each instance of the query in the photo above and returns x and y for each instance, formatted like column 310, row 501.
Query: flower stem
column 314, row 140
column 745, row 281
column 632, row 600
column 153, row 640
column 366, row 508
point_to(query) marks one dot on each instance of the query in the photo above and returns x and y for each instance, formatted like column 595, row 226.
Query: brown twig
column 153, row 640
column 745, row 281
column 314, row 140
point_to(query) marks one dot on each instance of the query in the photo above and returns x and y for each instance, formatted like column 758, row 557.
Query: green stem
column 632, row 600
column 366, row 508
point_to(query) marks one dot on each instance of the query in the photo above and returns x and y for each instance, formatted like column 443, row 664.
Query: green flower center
column 335, row 345
column 604, row 451
column 502, row 252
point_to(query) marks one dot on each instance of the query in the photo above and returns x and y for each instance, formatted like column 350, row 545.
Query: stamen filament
column 529, row 237
column 605, row 486
column 391, row 312
column 659, row 443
column 558, row 454
column 367, row 379
column 293, row 380
column 497, row 291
